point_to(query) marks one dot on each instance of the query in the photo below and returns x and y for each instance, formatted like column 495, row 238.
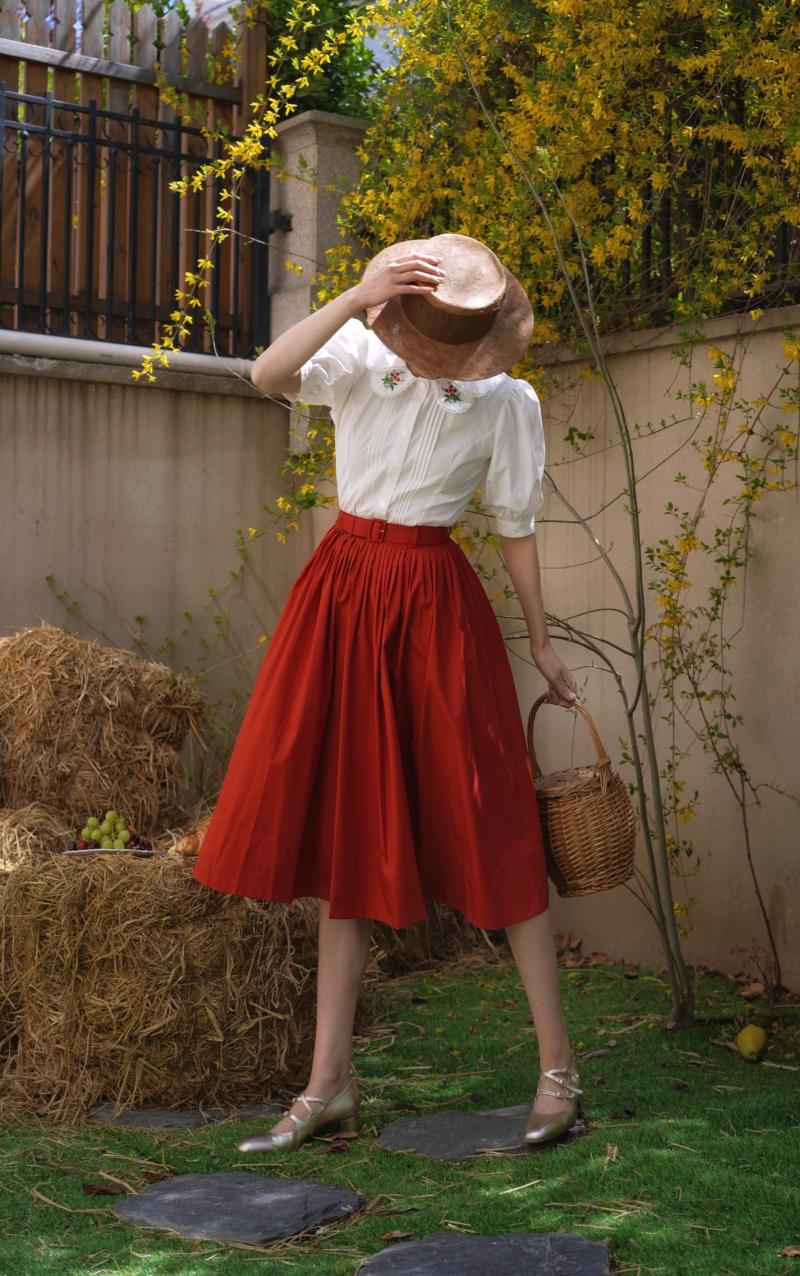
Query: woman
column 381, row 762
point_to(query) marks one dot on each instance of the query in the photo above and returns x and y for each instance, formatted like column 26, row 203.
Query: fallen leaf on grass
column 396, row 1236
column 102, row 1189
column 749, row 991
column 791, row 1251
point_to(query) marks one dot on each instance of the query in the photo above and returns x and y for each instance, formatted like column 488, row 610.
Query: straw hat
column 477, row 323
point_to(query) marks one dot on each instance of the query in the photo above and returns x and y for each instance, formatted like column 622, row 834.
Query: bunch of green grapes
column 112, row 833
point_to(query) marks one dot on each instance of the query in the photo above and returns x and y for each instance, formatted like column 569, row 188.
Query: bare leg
column 343, row 951
column 535, row 954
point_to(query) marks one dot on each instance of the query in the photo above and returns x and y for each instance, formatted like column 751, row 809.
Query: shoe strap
column 308, row 1099
column 564, row 1078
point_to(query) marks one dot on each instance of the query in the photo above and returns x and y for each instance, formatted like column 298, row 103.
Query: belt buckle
column 377, row 529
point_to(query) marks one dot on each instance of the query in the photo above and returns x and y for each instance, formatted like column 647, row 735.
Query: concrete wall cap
column 321, row 119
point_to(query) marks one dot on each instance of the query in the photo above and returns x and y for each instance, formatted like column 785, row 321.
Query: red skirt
column 381, row 761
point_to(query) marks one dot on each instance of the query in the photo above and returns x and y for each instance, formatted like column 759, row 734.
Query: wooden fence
column 92, row 241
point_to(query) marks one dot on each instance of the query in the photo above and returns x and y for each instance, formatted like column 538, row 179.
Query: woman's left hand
column 560, row 682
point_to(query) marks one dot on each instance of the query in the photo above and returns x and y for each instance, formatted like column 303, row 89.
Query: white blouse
column 413, row 450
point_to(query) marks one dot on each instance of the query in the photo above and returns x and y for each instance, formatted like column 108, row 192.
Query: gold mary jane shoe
column 340, row 1112
column 540, row 1127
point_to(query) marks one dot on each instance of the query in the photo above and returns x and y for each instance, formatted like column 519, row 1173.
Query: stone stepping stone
column 178, row 1119
column 236, row 1206
column 510, row 1254
column 455, row 1135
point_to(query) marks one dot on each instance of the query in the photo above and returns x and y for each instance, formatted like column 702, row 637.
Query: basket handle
column 602, row 757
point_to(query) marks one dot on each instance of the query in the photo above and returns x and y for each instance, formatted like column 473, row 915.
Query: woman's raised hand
column 413, row 273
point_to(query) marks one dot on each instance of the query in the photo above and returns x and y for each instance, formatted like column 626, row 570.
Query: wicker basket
column 588, row 823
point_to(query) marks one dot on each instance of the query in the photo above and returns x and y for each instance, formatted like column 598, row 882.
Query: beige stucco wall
column 130, row 497
column 724, row 916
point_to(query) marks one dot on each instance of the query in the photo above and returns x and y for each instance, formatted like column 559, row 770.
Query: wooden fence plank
column 222, row 276
column 9, row 20
column 168, row 230
column 10, row 69
column 64, row 174
column 36, row 156
column 10, row 223
column 144, row 47
column 146, row 215
column 64, row 33
column 196, row 50
column 251, row 68
column 86, row 248
column 92, row 34
column 118, row 50
column 63, row 178
column 37, row 31
column 119, row 184
column 171, row 45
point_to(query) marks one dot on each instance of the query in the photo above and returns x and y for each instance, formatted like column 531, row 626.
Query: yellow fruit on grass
column 751, row 1042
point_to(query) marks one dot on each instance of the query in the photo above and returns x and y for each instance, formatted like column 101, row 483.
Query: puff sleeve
column 326, row 377
column 513, row 483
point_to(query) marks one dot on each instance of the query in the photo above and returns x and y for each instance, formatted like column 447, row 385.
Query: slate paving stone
column 512, row 1254
column 174, row 1118
column 455, row 1135
column 236, row 1206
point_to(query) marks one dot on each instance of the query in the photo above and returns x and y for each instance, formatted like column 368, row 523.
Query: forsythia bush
column 671, row 130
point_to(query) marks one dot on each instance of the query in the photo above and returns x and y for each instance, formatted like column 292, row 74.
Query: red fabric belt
column 378, row 529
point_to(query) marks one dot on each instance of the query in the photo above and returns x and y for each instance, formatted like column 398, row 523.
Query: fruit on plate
column 112, row 833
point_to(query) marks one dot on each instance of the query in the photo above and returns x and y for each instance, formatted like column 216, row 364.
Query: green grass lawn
column 691, row 1165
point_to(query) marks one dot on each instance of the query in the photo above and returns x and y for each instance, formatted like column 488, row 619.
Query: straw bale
column 129, row 982
column 30, row 833
column 126, row 981
column 85, row 727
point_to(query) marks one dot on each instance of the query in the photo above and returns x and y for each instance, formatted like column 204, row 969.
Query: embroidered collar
column 390, row 376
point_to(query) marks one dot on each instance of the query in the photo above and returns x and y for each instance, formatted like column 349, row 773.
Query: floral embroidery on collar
column 390, row 376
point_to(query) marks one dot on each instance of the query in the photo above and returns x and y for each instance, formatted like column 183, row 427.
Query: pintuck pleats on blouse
column 413, row 450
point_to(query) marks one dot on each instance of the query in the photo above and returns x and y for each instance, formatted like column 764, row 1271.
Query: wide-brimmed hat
column 478, row 322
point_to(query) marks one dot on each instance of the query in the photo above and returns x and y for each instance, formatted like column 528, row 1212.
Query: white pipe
column 41, row 345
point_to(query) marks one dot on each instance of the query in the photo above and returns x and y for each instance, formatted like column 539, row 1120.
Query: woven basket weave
column 588, row 823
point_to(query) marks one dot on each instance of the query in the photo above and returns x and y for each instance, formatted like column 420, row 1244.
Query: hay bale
column 125, row 981
column 30, row 833
column 84, row 727
column 8, row 1006
column 129, row 982
column 446, row 937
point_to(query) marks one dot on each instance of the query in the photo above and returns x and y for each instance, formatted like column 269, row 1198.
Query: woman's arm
column 521, row 557
column 277, row 369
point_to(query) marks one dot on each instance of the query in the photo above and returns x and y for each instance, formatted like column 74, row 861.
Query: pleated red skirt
column 381, row 761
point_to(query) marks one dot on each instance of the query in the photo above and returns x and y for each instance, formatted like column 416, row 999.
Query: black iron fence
column 94, row 244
